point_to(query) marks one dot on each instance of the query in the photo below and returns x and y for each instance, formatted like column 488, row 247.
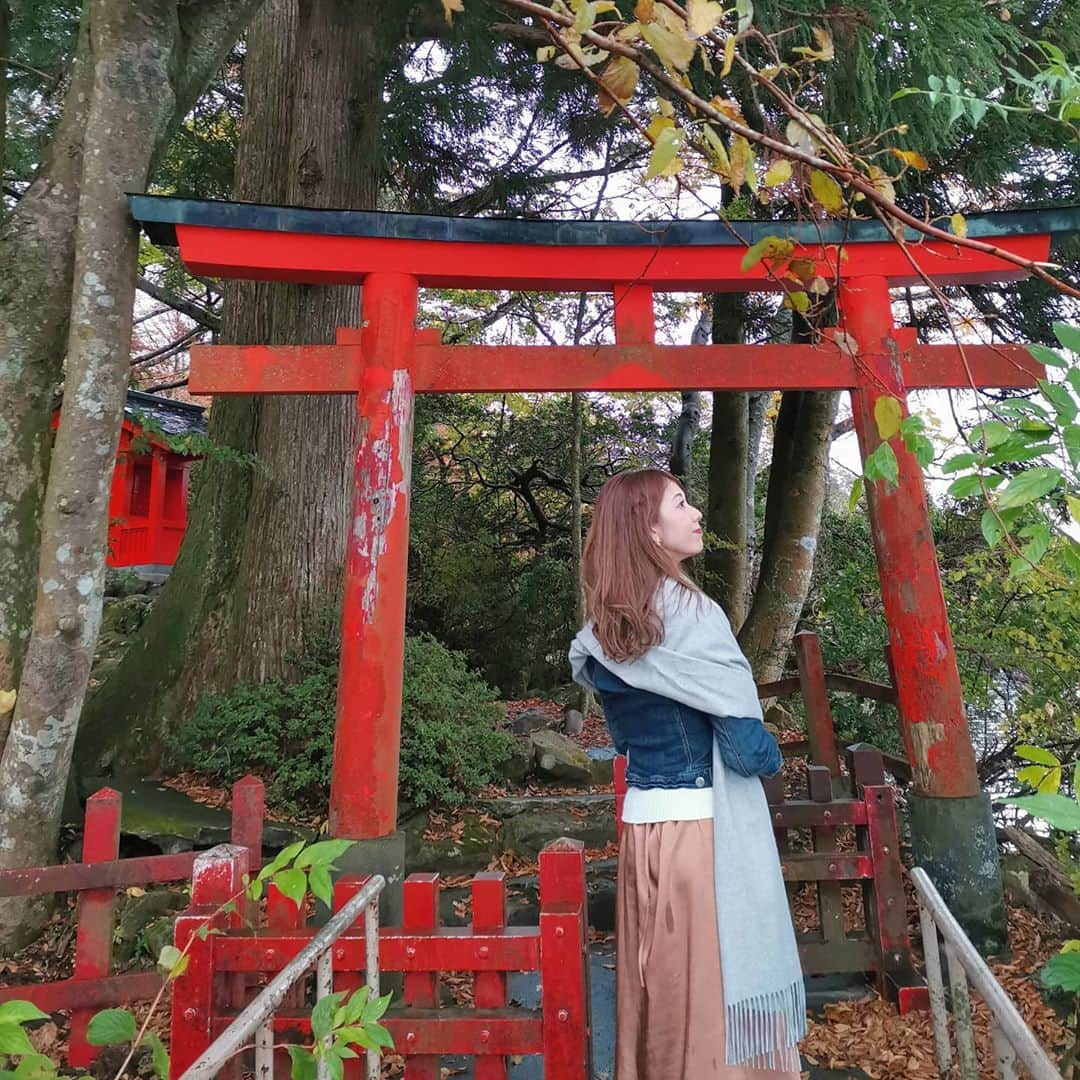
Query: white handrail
column 1012, row 1037
column 257, row 1019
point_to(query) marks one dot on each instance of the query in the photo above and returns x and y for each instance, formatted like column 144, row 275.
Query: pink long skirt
column 669, row 995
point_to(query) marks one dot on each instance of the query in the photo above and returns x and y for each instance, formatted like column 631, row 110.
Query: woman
column 708, row 982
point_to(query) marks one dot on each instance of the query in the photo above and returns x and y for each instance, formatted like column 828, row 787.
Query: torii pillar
column 385, row 362
column 946, row 802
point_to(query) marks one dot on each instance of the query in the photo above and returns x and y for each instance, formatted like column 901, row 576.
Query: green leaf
column 882, row 465
column 1029, row 486
column 282, row 858
column 1056, row 810
column 19, row 1012
column 960, row 461
column 380, row 1036
column 992, row 528
column 35, row 1067
column 856, row 494
column 992, row 432
column 745, row 10
column 1061, row 399
column 159, row 1055
column 322, row 1016
column 334, row 1067
column 354, row 1007
column 14, row 1040
column 323, row 853
column 1071, row 437
column 1073, row 504
column 921, row 447
column 1047, row 356
column 303, row 1063
column 888, row 413
column 376, row 1009
column 170, row 958
column 965, row 486
column 1037, row 754
column 1069, row 336
column 357, row 1036
column 342, row 1050
column 320, row 884
column 1062, row 970
column 109, row 1027
column 293, row 884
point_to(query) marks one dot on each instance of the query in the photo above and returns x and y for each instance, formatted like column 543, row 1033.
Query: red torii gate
column 386, row 362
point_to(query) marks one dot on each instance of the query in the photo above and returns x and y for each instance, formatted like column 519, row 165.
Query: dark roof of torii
column 159, row 215
column 174, row 417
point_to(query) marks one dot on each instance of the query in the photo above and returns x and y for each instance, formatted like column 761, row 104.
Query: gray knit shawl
column 699, row 664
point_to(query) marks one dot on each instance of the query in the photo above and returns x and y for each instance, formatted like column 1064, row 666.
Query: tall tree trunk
column 796, row 494
column 5, row 52
column 727, row 513
column 264, row 550
column 37, row 246
column 681, row 463
column 37, row 250
column 135, row 48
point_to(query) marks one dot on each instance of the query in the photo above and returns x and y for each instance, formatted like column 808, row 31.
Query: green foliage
column 1025, row 466
column 189, row 444
column 450, row 748
column 339, row 1023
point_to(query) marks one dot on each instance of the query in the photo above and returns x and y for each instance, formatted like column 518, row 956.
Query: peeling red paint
column 928, row 691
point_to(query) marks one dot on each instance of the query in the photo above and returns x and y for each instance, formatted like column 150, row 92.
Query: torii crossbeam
column 386, row 362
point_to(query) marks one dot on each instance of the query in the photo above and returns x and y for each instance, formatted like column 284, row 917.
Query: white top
column 666, row 804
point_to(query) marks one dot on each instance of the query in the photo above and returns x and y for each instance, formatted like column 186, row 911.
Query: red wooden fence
column 96, row 879
column 223, row 967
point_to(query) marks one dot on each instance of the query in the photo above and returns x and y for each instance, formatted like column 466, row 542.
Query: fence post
column 93, row 941
column 819, row 721
column 217, row 877
column 248, row 811
column 489, row 987
column 421, row 988
column 564, row 964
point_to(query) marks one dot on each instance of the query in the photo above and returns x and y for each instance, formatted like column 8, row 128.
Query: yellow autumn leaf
column 717, row 152
column 888, row 413
column 799, row 300
column 827, row 191
column 958, row 224
column 802, row 269
column 742, row 164
column 664, row 160
column 7, row 701
column 819, row 287
column 805, row 133
column 824, row 50
column 768, row 247
column 730, row 108
column 619, row 79
column 643, row 10
column 882, row 182
column 729, row 56
column 657, row 124
column 449, row 7
column 703, row 16
column 670, row 39
column 779, row 172
column 544, row 53
column 912, row 158
column 1045, row 779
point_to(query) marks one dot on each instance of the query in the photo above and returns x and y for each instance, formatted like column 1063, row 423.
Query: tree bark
column 135, row 48
column 727, row 512
column 681, row 463
column 264, row 550
column 796, row 494
column 37, row 250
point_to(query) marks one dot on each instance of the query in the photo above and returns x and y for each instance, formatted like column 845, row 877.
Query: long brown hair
column 622, row 565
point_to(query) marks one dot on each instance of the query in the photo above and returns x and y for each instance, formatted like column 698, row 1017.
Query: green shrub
column 450, row 740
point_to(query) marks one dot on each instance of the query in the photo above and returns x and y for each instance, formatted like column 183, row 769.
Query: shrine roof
column 174, row 417
column 159, row 215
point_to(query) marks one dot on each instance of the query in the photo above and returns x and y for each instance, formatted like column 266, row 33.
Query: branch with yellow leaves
column 675, row 35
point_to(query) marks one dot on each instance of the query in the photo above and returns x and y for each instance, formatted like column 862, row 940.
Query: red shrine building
column 148, row 503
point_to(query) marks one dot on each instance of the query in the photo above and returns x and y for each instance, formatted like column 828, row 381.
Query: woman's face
column 678, row 528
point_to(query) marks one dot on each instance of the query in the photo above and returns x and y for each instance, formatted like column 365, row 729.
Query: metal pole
column 236, row 1035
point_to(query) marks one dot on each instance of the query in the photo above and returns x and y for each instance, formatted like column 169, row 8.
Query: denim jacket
column 671, row 743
